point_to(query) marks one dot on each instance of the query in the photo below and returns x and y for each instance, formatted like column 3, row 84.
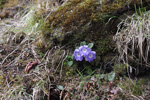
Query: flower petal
column 90, row 56
column 78, row 56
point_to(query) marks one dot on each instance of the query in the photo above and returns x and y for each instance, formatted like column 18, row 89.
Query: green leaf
column 111, row 76
column 68, row 57
column 65, row 63
column 90, row 45
column 72, row 57
column 70, row 63
column 60, row 87
column 102, row 76
column 82, row 43
column 77, row 47
column 79, row 73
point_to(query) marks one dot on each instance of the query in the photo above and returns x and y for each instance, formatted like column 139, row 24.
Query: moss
column 74, row 15
column 103, row 46
column 116, row 5
column 80, row 20
column 70, row 16
column 13, row 3
column 103, row 49
column 68, row 72
column 134, row 87
column 2, row 3
column 120, row 69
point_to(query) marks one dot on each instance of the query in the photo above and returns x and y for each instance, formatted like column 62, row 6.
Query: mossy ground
column 51, row 41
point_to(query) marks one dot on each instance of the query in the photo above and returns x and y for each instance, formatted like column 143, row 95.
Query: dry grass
column 17, row 52
column 17, row 49
column 133, row 40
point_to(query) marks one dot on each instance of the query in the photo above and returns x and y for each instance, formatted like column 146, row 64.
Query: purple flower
column 90, row 56
column 84, row 50
column 78, row 56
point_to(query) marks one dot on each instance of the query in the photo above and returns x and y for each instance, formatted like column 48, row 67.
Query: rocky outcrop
column 91, row 21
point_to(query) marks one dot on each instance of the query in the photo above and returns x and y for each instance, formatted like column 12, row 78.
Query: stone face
column 83, row 20
column 84, row 16
column 90, row 21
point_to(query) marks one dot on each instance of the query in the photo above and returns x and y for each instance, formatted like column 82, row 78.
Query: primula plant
column 85, row 51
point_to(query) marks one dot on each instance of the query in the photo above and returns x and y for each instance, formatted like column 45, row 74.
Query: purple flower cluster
column 86, row 52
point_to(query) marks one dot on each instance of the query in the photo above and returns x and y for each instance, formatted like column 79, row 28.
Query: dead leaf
column 30, row 65
column 115, row 90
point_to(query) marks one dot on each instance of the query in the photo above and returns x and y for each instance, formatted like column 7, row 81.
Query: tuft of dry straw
column 133, row 39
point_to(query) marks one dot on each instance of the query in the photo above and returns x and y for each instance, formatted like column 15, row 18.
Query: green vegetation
column 1, row 3
column 120, row 69
column 36, row 51
column 134, row 87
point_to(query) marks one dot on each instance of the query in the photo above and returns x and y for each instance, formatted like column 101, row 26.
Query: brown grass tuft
column 133, row 40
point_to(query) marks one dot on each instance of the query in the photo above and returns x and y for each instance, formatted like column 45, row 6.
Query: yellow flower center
column 90, row 56
column 78, row 54
column 84, row 50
